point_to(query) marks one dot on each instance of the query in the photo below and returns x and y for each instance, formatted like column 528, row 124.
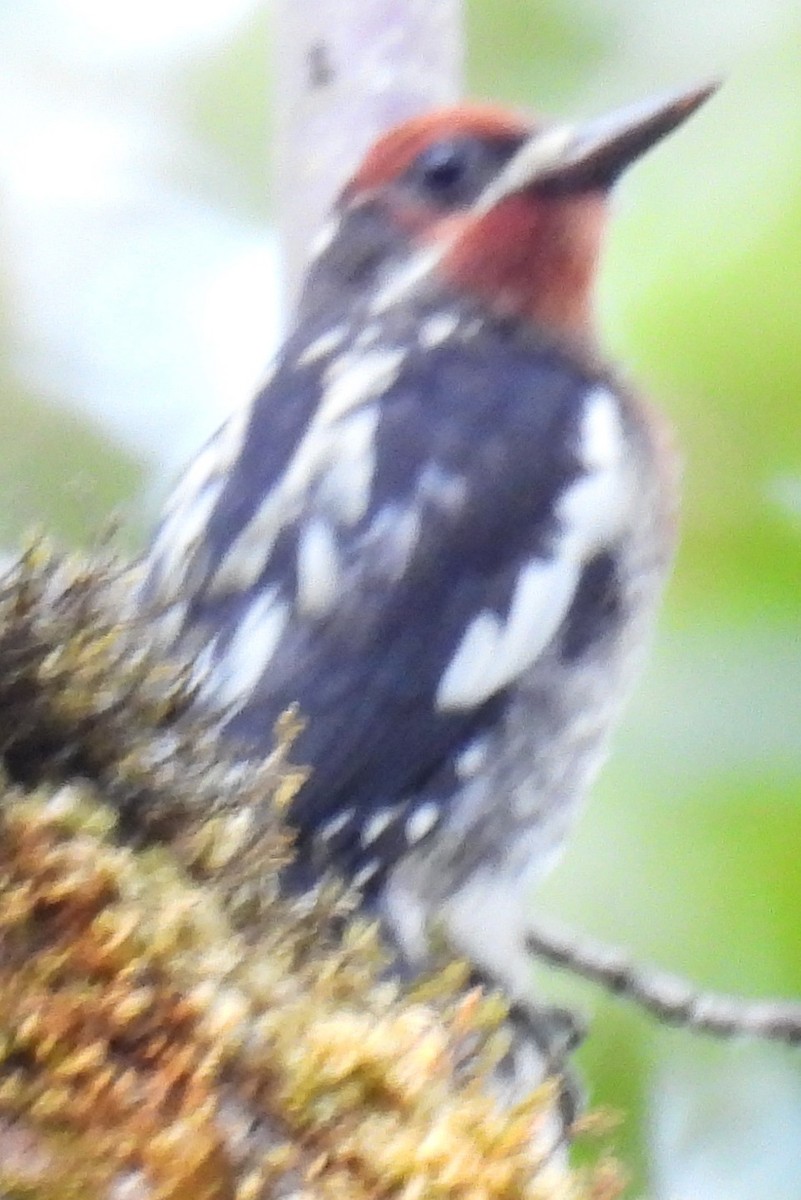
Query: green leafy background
column 690, row 851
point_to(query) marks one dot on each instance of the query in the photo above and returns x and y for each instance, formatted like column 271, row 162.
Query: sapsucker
column 441, row 528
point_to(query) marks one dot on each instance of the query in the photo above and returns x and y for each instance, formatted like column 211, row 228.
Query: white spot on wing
column 333, row 438
column 325, row 344
column 323, row 238
column 181, row 533
column 491, row 654
column 247, row 555
column 367, row 335
column 468, row 678
column 592, row 508
column 247, row 656
column 472, row 758
column 231, row 437
column 601, row 431
column 377, row 825
column 421, row 822
column 331, row 828
column 391, row 540
column 448, row 492
column 345, row 487
column 591, row 512
column 366, row 873
column 317, row 568
column 355, row 378
column 437, row 329
column 542, row 596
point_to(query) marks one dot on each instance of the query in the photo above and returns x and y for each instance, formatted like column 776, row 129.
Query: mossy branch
column 170, row 1025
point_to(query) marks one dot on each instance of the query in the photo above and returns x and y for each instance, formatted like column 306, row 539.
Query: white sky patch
column 144, row 27
column 133, row 295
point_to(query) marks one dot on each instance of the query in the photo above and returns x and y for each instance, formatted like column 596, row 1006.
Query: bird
column 442, row 527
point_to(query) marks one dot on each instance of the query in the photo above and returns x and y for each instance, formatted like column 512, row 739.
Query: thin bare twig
column 669, row 998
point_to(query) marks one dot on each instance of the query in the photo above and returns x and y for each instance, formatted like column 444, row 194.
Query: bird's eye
column 448, row 172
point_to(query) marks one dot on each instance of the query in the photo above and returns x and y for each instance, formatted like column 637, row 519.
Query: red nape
column 396, row 151
column 532, row 256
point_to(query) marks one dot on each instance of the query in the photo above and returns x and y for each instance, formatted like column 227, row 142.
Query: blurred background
column 138, row 303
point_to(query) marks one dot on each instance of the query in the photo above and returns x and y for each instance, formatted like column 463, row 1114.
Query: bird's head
column 507, row 211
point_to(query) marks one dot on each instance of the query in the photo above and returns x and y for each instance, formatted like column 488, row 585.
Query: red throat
column 531, row 256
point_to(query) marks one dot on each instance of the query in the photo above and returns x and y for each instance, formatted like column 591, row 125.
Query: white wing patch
column 318, row 569
column 591, row 509
column 601, row 437
column 181, row 533
column 344, row 488
column 377, row 824
column 355, row 378
column 339, row 439
column 421, row 822
column 493, row 652
column 322, row 346
column 437, row 329
column 246, row 657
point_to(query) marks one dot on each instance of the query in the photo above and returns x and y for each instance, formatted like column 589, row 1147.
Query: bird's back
column 409, row 532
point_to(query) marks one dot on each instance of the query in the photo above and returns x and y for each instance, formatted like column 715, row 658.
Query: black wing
column 385, row 508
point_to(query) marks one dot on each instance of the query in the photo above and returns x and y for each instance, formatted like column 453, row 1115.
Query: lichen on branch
column 172, row 1026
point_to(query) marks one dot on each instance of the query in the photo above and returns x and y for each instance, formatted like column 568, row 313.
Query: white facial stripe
column 318, row 569
column 541, row 152
column 246, row 657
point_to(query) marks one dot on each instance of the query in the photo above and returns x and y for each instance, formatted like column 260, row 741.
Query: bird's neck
column 535, row 260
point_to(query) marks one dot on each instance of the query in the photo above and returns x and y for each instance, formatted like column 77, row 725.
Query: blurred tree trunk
column 346, row 70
